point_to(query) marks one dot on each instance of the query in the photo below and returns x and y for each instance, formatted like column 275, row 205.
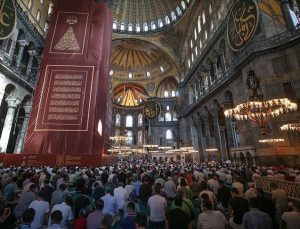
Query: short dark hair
column 235, row 191
column 141, row 220
column 28, row 215
column 56, row 217
column 253, row 202
column 178, row 200
column 131, row 206
column 99, row 204
column 107, row 220
column 157, row 188
column 32, row 187
column 62, row 187
column 69, row 200
column 273, row 185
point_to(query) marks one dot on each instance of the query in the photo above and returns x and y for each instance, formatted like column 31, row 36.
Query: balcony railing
column 8, row 65
column 291, row 188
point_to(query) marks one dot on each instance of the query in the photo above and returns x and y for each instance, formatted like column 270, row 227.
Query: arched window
column 145, row 27
column 173, row 93
column 179, row 12
column 129, row 121
column 189, row 63
column 200, row 44
column 130, row 27
column 29, row 5
column 173, row 16
column 196, row 50
column 140, row 120
column 211, row 26
column 38, row 16
column 50, row 9
column 168, row 117
column 167, row 20
column 153, row 25
column 192, row 44
column 42, row 2
column 138, row 28
column 169, row 135
column 203, row 18
column 210, row 9
column 199, row 24
column 46, row 27
column 183, row 5
column 118, row 120
column 166, row 94
column 114, row 25
column 122, row 27
column 205, row 34
column 193, row 57
column 195, row 33
column 129, row 134
column 160, row 23
column 140, row 138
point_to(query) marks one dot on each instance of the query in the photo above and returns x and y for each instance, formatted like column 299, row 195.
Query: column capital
column 27, row 109
column 214, row 112
column 32, row 53
column 22, row 43
column 12, row 102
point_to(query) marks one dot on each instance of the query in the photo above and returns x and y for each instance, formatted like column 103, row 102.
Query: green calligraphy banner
column 242, row 24
column 7, row 18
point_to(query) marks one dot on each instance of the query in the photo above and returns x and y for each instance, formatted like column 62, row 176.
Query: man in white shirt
column 239, row 186
column 158, row 208
column 120, row 194
column 110, row 203
column 66, row 210
column 213, row 184
column 42, row 209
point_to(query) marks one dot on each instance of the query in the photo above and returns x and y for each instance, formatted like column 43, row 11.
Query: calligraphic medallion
column 242, row 23
column 7, row 18
column 151, row 110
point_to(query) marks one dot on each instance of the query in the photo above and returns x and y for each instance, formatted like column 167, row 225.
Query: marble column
column 223, row 64
column 19, row 145
column 286, row 11
column 32, row 54
column 201, row 142
column 224, row 142
column 208, row 141
column 215, row 115
column 9, row 119
column 22, row 44
column 215, row 71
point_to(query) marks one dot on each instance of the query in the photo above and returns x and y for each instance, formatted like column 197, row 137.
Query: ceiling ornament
column 291, row 127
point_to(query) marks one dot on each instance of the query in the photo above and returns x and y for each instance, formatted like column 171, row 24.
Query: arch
column 168, row 117
column 168, row 84
column 140, row 120
column 228, row 97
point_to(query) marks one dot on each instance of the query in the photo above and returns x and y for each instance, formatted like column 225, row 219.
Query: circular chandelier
column 211, row 150
column 118, row 138
column 257, row 109
column 271, row 140
column 291, row 127
column 261, row 111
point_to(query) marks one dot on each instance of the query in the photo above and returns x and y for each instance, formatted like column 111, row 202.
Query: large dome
column 144, row 16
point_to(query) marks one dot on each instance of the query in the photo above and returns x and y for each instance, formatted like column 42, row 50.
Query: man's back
column 41, row 208
column 110, row 205
column 177, row 219
column 94, row 220
column 256, row 219
column 157, row 206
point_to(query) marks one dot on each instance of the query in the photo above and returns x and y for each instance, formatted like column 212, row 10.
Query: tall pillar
column 215, row 70
column 208, row 141
column 20, row 143
column 22, row 44
column 32, row 54
column 223, row 64
column 287, row 15
column 201, row 142
column 215, row 115
column 9, row 119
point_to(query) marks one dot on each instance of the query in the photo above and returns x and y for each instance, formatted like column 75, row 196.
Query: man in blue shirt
column 10, row 189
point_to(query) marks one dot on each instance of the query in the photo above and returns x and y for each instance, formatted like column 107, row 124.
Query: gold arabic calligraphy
column 7, row 18
column 242, row 24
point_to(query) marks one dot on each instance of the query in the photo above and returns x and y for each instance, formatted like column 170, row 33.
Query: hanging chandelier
column 271, row 140
column 291, row 127
column 119, row 138
column 257, row 109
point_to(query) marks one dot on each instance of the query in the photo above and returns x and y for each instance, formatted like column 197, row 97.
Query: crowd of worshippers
column 145, row 194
